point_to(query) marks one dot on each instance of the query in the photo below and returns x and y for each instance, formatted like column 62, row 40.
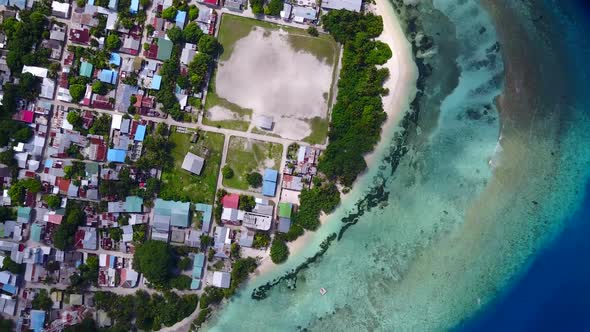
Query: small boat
column 323, row 291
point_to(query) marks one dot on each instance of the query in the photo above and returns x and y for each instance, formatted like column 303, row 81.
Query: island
column 154, row 154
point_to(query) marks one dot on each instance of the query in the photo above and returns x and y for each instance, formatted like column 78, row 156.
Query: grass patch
column 178, row 184
column 263, row 132
column 245, row 156
column 233, row 28
column 319, row 131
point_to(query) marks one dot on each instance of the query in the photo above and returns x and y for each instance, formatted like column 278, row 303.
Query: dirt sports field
column 276, row 71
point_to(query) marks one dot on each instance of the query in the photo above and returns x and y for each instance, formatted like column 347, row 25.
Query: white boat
column 323, row 291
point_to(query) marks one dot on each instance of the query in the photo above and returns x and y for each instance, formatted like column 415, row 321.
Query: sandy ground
column 402, row 88
column 218, row 113
column 265, row 74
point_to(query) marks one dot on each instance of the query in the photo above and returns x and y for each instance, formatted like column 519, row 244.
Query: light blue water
column 449, row 231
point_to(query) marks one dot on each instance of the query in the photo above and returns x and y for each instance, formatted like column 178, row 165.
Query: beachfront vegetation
column 261, row 240
column 279, row 250
column 321, row 198
column 358, row 113
column 144, row 311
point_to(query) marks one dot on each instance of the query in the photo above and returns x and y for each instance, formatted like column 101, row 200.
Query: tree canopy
column 358, row 113
column 112, row 42
column 154, row 259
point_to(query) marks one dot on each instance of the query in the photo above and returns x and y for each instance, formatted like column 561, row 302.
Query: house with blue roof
column 133, row 204
column 180, row 19
column 86, row 69
column 116, row 155
column 37, row 320
column 269, row 183
column 207, row 211
column 140, row 133
column 178, row 213
column 134, row 6
column 115, row 59
column 108, row 76
column 23, row 214
column 156, row 82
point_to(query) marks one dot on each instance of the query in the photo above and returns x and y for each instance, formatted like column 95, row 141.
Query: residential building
column 221, row 279
column 351, row 5
column 193, row 163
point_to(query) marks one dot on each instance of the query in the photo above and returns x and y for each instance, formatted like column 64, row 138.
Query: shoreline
column 401, row 83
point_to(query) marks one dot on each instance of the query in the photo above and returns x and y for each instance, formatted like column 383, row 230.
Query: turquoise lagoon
column 481, row 190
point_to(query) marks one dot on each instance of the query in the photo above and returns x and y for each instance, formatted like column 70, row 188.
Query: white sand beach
column 402, row 88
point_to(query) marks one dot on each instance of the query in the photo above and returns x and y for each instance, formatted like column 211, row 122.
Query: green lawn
column 319, row 131
column 233, row 28
column 178, row 184
column 245, row 156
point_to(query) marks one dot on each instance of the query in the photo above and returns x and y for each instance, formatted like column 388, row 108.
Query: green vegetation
column 313, row 31
column 279, row 250
column 12, row 267
column 185, row 263
column 211, row 295
column 261, row 240
column 155, row 260
column 257, row 6
column 227, row 172
column 241, row 268
column 53, row 201
column 42, row 301
column 87, row 275
column 247, row 203
column 322, row 197
column 144, row 311
column 112, row 42
column 246, row 156
column 239, row 113
column 19, row 188
column 358, row 113
column 179, row 184
column 319, row 131
column 169, row 13
column 254, row 179
column 77, row 92
column 274, row 8
column 24, row 35
column 156, row 150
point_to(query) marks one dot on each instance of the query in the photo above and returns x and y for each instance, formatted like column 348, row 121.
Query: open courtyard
column 246, row 155
column 268, row 70
column 179, row 184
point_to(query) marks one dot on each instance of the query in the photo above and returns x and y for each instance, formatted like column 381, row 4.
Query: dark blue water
column 554, row 294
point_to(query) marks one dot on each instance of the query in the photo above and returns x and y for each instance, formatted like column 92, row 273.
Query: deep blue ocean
column 554, row 294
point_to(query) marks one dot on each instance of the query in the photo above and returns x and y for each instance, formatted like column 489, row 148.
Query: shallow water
column 464, row 214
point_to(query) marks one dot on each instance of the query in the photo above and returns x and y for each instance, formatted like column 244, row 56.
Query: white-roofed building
column 193, row 163
column 221, row 279
column 60, row 9
column 352, row 5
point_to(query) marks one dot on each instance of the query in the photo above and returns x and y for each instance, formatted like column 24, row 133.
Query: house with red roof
column 80, row 36
column 24, row 116
column 230, row 201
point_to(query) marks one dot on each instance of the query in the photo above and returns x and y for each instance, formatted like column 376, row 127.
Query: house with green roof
column 164, row 49
column 177, row 212
column 23, row 214
column 207, row 211
column 36, row 231
column 133, row 204
column 86, row 69
column 91, row 169
column 285, row 210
